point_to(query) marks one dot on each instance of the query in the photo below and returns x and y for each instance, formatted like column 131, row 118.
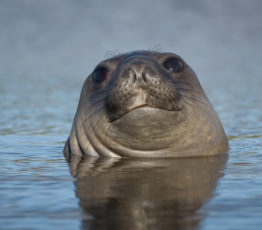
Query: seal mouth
column 131, row 109
column 145, row 105
column 145, row 108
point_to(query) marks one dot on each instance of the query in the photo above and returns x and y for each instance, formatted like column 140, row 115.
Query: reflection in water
column 144, row 193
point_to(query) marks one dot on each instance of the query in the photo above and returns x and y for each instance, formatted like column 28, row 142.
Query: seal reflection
column 144, row 193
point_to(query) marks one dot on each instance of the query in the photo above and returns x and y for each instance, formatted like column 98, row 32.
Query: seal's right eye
column 100, row 74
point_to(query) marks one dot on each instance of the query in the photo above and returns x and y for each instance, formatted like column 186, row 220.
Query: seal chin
column 141, row 107
column 143, row 127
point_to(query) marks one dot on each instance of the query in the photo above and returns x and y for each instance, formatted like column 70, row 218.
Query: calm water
column 47, row 49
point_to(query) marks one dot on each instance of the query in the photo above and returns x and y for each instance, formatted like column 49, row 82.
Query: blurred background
column 47, row 48
column 67, row 38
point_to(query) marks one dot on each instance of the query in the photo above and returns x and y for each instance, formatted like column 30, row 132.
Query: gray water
column 47, row 48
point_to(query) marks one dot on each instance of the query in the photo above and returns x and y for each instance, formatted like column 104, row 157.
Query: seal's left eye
column 100, row 74
column 174, row 65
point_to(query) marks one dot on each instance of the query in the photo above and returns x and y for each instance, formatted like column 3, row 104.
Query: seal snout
column 140, row 82
column 138, row 72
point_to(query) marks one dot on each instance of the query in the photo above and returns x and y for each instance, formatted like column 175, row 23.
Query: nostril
column 138, row 74
column 132, row 74
column 144, row 77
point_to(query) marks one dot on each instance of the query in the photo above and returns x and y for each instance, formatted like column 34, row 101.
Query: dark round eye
column 174, row 65
column 100, row 74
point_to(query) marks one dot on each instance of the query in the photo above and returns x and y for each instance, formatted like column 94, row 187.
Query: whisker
column 117, row 52
column 194, row 99
column 92, row 114
column 156, row 48
column 99, row 124
column 192, row 114
column 199, row 108
column 98, row 101
column 111, row 53
column 102, row 122
column 189, row 90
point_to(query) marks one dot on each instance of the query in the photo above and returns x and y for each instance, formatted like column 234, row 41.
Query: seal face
column 145, row 104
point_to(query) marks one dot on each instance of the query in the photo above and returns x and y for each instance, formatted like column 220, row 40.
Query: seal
column 145, row 104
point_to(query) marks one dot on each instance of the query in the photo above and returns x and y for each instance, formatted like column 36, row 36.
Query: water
column 47, row 49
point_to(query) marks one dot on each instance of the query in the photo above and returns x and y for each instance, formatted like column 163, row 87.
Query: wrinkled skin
column 142, row 108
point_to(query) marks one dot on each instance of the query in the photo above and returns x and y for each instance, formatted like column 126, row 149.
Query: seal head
column 145, row 104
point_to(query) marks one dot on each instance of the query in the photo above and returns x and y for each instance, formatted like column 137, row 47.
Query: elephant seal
column 145, row 104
